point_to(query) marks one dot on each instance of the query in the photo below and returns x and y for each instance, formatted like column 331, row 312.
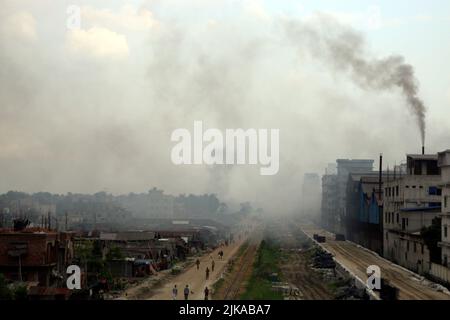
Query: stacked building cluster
column 114, row 240
column 402, row 212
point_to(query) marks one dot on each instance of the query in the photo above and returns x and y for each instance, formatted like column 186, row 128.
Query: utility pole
column 380, row 199
column 20, row 267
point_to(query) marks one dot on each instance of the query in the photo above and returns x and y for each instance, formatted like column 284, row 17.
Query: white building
column 444, row 164
column 411, row 202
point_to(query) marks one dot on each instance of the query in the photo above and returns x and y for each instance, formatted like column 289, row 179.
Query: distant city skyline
column 91, row 109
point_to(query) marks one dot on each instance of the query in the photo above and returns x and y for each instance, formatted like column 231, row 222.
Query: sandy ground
column 356, row 259
column 196, row 279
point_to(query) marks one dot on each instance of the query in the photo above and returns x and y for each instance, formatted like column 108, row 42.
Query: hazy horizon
column 93, row 109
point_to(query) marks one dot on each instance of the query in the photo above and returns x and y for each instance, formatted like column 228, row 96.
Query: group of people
column 186, row 292
column 207, row 271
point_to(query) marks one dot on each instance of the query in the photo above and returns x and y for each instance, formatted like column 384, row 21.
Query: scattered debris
column 322, row 259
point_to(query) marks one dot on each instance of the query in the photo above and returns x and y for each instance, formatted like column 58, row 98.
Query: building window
column 415, row 247
column 445, row 202
column 434, row 191
column 445, row 231
column 421, row 249
column 398, row 218
column 396, row 191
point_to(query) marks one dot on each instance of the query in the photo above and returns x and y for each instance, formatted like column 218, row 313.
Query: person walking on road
column 207, row 273
column 197, row 262
column 206, row 293
column 186, row 292
column 174, row 292
column 212, row 265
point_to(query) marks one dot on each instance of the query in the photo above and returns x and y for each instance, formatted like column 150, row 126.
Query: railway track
column 239, row 275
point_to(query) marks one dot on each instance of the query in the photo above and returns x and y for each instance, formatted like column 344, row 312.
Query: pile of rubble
column 323, row 260
column 348, row 291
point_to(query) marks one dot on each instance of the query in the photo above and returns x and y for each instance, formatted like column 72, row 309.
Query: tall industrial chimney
column 423, row 150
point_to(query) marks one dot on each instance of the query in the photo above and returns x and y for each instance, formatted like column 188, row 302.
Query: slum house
column 208, row 231
column 196, row 238
column 35, row 254
column 143, row 252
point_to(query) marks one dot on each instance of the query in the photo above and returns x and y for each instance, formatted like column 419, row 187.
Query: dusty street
column 196, row 279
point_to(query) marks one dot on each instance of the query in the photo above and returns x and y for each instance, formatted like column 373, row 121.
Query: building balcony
column 444, row 244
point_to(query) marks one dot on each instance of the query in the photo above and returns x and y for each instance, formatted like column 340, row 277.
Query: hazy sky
column 93, row 109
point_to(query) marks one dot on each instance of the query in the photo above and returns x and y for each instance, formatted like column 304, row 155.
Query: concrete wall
column 407, row 251
column 439, row 272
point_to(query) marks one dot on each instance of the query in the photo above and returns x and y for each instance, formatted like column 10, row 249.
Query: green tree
column 21, row 293
column 114, row 253
column 5, row 292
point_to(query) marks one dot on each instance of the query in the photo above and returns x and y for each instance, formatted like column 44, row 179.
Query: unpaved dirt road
column 357, row 259
column 196, row 279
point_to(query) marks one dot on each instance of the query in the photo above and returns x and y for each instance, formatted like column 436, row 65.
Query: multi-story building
column 344, row 168
column 35, row 255
column 364, row 210
column 329, row 199
column 444, row 165
column 310, row 197
column 411, row 202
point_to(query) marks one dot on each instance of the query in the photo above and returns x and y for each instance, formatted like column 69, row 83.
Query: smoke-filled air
column 93, row 108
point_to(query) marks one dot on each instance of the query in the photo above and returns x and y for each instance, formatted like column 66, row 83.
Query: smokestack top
column 423, row 150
